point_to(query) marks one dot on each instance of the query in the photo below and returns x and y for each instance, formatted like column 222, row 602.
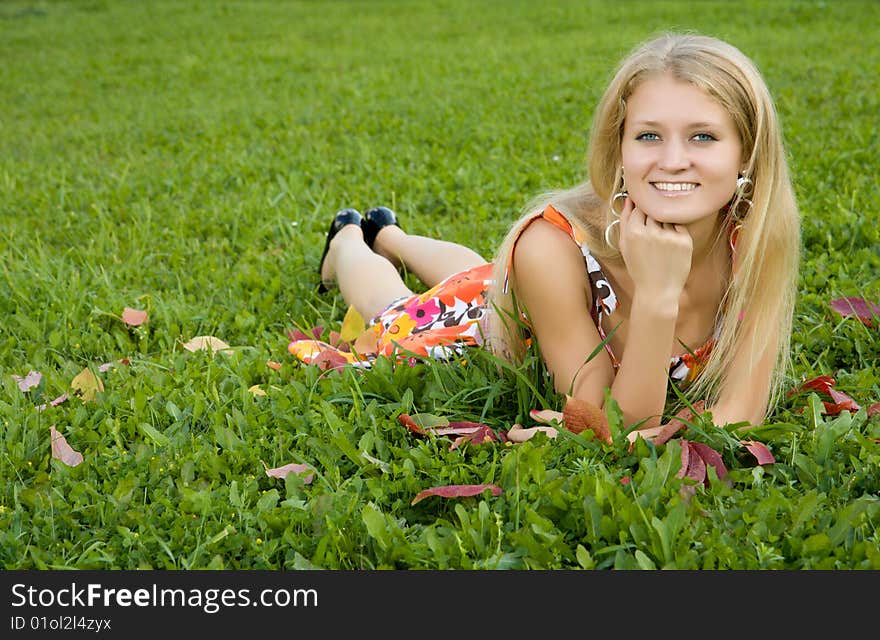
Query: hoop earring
column 620, row 195
column 608, row 234
column 744, row 187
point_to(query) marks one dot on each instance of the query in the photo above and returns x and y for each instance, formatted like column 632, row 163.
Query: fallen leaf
column 843, row 400
column 330, row 359
column 760, row 451
column 822, row 384
column 859, row 307
column 407, row 421
column 303, row 470
column 63, row 451
column 696, row 457
column 692, row 464
column 62, row 398
column 517, row 433
column 712, row 459
column 679, row 422
column 479, row 435
column 546, row 416
column 134, row 317
column 111, row 365
column 353, row 325
column 296, row 334
column 207, row 343
column 29, row 381
column 456, row 491
column 86, row 385
column 580, row 415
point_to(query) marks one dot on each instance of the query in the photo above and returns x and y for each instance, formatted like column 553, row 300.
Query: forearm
column 640, row 385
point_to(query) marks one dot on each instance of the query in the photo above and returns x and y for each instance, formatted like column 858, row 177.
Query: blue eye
column 704, row 137
column 647, row 136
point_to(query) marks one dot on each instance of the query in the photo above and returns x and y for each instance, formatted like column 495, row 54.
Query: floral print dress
column 450, row 317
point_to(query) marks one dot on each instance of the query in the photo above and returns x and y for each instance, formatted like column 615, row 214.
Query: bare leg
column 430, row 259
column 366, row 280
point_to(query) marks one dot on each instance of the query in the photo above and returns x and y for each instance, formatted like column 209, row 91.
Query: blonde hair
column 758, row 305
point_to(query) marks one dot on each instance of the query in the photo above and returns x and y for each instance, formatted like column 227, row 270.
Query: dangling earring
column 744, row 187
column 621, row 195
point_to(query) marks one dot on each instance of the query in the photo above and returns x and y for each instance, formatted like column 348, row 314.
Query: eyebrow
column 693, row 125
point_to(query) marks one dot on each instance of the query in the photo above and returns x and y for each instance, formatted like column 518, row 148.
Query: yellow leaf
column 353, row 325
column 256, row 390
column 86, row 385
column 208, row 343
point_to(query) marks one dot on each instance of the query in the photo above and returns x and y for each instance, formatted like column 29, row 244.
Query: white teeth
column 675, row 186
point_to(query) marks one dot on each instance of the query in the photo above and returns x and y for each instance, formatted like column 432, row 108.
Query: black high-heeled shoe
column 374, row 221
column 342, row 218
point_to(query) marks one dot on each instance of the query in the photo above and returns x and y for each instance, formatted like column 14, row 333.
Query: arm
column 551, row 283
column 746, row 391
column 558, row 304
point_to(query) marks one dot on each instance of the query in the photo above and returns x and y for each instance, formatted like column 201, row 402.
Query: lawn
column 184, row 159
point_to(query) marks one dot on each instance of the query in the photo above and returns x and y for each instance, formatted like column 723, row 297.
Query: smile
column 675, row 187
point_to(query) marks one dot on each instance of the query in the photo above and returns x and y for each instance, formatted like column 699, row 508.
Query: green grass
column 184, row 158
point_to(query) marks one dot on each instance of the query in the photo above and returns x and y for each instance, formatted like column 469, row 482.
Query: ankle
column 389, row 241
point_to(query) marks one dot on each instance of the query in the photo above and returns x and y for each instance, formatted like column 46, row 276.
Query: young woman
column 676, row 262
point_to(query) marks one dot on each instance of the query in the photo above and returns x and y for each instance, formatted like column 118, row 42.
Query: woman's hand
column 657, row 254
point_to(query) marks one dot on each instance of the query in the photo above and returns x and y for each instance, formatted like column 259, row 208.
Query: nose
column 673, row 156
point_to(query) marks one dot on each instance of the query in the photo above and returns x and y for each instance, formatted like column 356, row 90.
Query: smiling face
column 681, row 151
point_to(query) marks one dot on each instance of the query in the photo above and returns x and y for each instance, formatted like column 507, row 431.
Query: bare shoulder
column 544, row 243
column 546, row 258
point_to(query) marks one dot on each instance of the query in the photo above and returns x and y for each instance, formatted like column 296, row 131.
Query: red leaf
column 711, row 458
column 134, row 317
column 329, row 359
column 843, row 400
column 63, row 451
column 760, row 451
column 29, row 381
column 677, row 423
column 296, row 334
column 859, row 307
column 304, row 470
column 406, row 420
column 822, row 384
column 692, row 464
column 479, row 435
column 456, row 491
column 833, row 409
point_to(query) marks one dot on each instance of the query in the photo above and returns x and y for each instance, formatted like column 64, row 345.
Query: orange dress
column 439, row 323
column 446, row 319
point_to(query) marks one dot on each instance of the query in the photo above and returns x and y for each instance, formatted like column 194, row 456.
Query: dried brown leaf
column 63, row 451
column 580, row 415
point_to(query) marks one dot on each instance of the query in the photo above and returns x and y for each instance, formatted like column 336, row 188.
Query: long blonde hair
column 757, row 310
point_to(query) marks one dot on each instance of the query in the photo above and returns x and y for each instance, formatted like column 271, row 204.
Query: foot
column 374, row 221
column 342, row 218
